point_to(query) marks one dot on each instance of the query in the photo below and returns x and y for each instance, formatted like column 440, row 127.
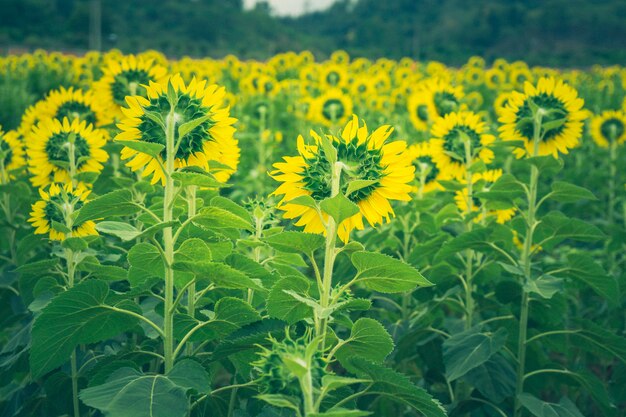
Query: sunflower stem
column 191, row 290
column 168, row 242
column 329, row 252
column 469, row 254
column 526, row 263
column 611, row 202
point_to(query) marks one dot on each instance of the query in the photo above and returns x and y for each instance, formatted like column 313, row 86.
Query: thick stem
column 306, row 384
column 611, row 202
column 329, row 252
column 469, row 254
column 526, row 263
column 168, row 242
column 191, row 290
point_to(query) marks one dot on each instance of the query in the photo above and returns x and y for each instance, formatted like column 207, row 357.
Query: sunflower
column 365, row 156
column 562, row 118
column 126, row 76
column 76, row 104
column 332, row 108
column 495, row 78
column 50, row 148
column 448, row 143
column 461, row 199
column 211, row 140
column 53, row 208
column 11, row 155
column 501, row 102
column 433, row 98
column 333, row 76
column 609, row 127
column 428, row 173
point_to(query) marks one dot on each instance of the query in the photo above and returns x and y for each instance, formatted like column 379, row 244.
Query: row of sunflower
column 159, row 288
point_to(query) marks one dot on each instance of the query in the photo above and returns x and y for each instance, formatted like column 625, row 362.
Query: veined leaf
column 295, row 242
column 467, row 350
column 368, row 339
column 385, row 274
column 149, row 148
column 339, row 208
column 115, row 203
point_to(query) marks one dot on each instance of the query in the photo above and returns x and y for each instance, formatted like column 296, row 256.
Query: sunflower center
column 76, row 110
column 612, row 129
column 333, row 109
column 425, row 163
column 332, row 78
column 361, row 163
column 555, row 110
column 58, row 149
column 422, row 112
column 128, row 83
column 54, row 211
column 187, row 109
column 445, row 102
column 454, row 140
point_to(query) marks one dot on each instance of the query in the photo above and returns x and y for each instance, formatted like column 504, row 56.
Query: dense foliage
column 573, row 33
column 227, row 238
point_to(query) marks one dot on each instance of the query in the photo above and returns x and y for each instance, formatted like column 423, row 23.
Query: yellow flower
column 11, row 155
column 609, row 127
column 76, row 104
column 365, row 156
column 50, row 149
column 57, row 205
column 427, row 171
column 461, row 199
column 126, row 76
column 332, row 108
column 562, row 120
column 211, row 140
column 333, row 76
column 433, row 98
column 448, row 144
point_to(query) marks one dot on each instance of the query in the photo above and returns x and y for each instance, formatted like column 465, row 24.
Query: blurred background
column 567, row 33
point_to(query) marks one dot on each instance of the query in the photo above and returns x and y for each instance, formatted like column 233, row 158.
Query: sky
column 293, row 7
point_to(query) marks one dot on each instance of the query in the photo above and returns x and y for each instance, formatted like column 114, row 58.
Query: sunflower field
column 302, row 238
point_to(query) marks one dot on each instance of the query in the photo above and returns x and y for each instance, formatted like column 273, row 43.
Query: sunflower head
column 552, row 106
column 383, row 170
column 76, row 104
column 459, row 139
column 11, row 155
column 609, row 128
column 331, row 108
column 126, row 76
column 58, row 149
column 427, row 171
column 53, row 213
column 202, row 128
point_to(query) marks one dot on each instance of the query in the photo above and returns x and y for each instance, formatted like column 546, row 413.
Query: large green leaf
column 190, row 374
column 582, row 267
column 115, row 203
column 385, row 274
column 469, row 349
column 220, row 218
column 506, row 189
column 368, row 339
column 294, row 242
column 540, row 408
column 568, row 193
column 283, row 306
column 222, row 275
column 81, row 315
column 130, row 393
column 339, row 207
column 397, row 387
column 556, row 227
column 495, row 379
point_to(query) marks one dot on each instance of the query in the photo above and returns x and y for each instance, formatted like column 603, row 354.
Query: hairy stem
column 191, row 290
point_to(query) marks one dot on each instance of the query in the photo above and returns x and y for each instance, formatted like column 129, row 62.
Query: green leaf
column 146, row 257
column 190, row 374
column 281, row 401
column 368, row 339
column 105, row 272
column 81, row 315
column 130, row 393
column 540, row 408
column 547, row 165
column 187, row 127
column 341, row 412
column 149, row 148
column 122, row 230
column 60, row 227
column 385, row 274
column 545, row 285
column 469, row 349
column 193, row 250
column 115, row 203
column 397, row 387
column 357, row 185
column 194, row 178
column 451, row 185
column 294, row 242
column 219, row 218
column 568, row 193
column 222, row 275
column 285, row 307
column 306, row 201
column 333, row 382
column 556, row 227
column 88, row 177
column 495, row 379
column 506, row 188
column 339, row 208
column 76, row 244
column 582, row 267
